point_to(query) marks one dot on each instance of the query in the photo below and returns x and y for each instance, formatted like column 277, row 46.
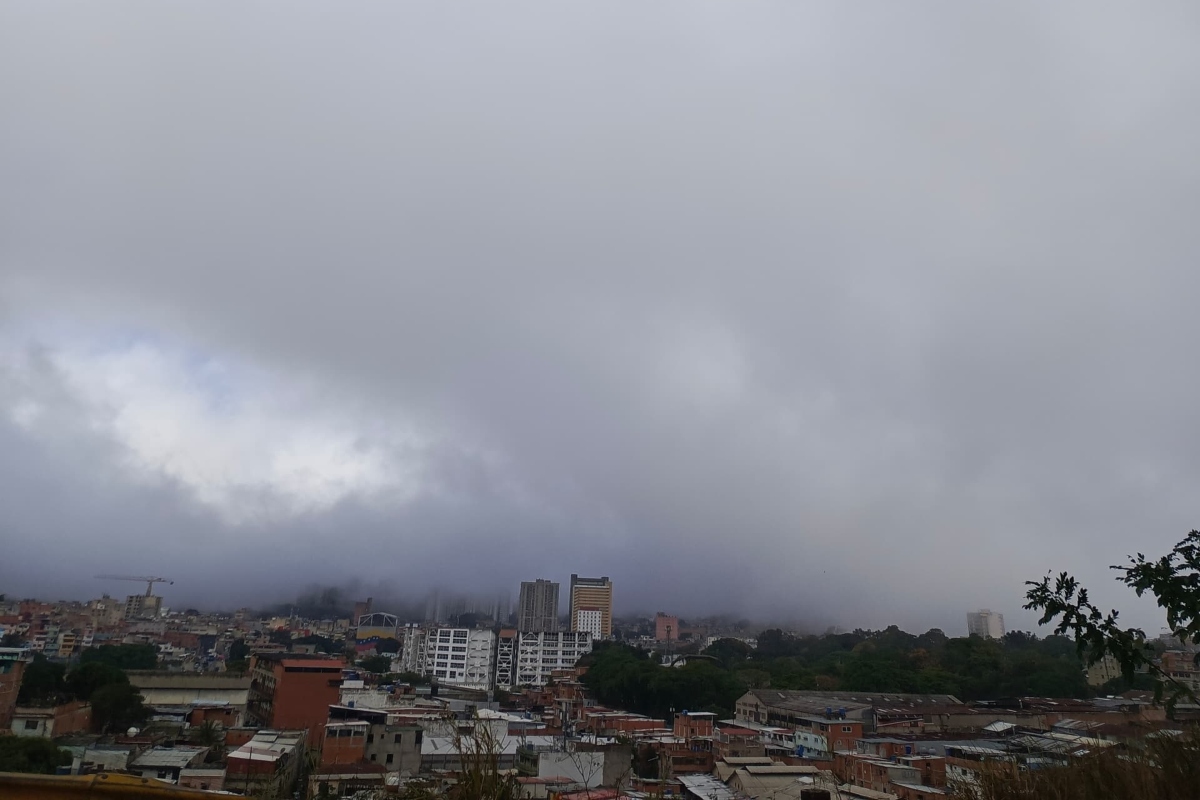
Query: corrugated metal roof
column 176, row 757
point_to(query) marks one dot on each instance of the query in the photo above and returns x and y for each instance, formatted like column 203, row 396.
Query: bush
column 19, row 754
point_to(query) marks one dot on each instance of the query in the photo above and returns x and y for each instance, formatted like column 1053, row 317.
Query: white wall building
column 460, row 656
column 539, row 654
column 985, row 623
column 590, row 621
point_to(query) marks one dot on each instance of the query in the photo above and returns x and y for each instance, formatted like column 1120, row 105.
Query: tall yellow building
column 591, row 606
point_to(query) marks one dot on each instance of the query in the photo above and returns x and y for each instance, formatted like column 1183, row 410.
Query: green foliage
column 43, row 683
column 1173, row 580
column 377, row 664
column 866, row 661
column 209, row 734
column 730, row 652
column 21, row 754
column 411, row 678
column 323, row 643
column 116, row 707
column 85, row 679
column 624, row 677
column 122, row 656
column 390, row 646
column 240, row 665
column 238, row 650
column 282, row 636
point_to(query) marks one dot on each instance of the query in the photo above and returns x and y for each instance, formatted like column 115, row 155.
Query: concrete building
column 192, row 688
column 292, row 692
column 985, row 623
column 47, row 723
column 268, row 763
column 357, row 736
column 506, row 658
column 461, row 656
column 140, row 606
column 537, row 610
column 666, row 627
column 591, row 606
column 411, row 657
column 540, row 654
column 166, row 763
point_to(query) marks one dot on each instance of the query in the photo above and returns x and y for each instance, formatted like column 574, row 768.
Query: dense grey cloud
column 852, row 315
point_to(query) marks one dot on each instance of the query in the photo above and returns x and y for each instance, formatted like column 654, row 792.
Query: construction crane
column 149, row 579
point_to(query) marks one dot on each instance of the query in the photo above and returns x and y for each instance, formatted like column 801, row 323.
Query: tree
column 378, row 664
column 116, row 707
column 730, row 652
column 238, row 650
column 83, row 681
column 43, row 683
column 20, row 754
column 11, row 639
column 123, row 656
column 1173, row 580
column 209, row 734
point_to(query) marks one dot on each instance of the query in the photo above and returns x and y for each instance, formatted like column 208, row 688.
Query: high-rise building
column 540, row 654
column 537, row 609
column 591, row 606
column 666, row 627
column 985, row 623
column 291, row 691
column 461, row 656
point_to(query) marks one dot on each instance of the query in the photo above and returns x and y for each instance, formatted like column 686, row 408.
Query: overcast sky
column 855, row 314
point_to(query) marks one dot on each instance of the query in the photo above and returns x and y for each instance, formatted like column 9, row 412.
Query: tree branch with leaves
column 1173, row 580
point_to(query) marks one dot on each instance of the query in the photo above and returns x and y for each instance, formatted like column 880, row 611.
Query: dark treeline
column 1019, row 665
column 98, row 679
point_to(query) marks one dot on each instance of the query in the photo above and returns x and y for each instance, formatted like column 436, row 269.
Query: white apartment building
column 460, row 656
column 985, row 623
column 590, row 621
column 539, row 654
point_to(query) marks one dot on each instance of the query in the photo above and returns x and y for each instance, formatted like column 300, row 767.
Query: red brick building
column 289, row 691
column 12, row 668
column 694, row 724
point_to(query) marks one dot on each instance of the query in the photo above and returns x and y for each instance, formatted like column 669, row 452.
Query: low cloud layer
column 821, row 313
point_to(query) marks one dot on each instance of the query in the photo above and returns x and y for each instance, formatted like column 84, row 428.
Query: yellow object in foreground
column 101, row 786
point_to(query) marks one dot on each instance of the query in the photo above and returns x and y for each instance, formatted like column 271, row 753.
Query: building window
column 847, row 729
column 389, row 758
column 417, row 737
column 397, row 739
column 31, row 724
column 370, row 738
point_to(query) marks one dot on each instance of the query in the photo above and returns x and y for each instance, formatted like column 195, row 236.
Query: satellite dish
column 132, row 732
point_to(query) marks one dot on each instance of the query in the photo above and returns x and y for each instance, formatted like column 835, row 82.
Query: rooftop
column 175, row 757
